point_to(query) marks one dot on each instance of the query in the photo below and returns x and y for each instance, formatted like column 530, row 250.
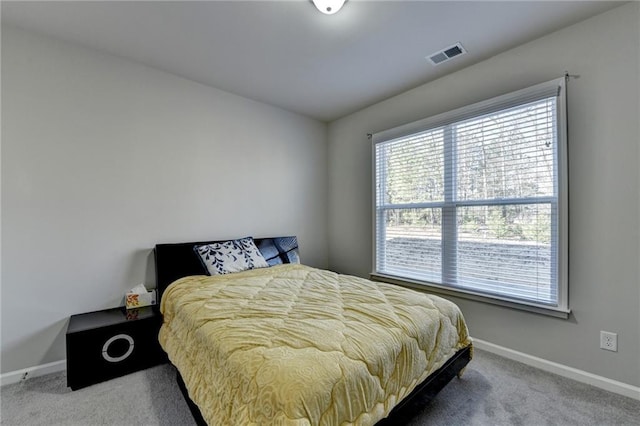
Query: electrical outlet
column 609, row 341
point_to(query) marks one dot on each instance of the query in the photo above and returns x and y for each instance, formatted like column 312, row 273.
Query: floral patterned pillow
column 231, row 256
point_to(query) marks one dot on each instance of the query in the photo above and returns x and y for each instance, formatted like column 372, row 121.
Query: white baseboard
column 543, row 364
column 561, row 370
column 38, row 370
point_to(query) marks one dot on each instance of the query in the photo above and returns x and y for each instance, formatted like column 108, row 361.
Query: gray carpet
column 493, row 391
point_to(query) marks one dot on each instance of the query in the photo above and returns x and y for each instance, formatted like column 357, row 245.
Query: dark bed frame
column 174, row 261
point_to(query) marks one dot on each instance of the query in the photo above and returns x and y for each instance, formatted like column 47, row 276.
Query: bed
column 294, row 345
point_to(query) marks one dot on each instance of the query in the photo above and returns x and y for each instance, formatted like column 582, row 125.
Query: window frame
column 556, row 87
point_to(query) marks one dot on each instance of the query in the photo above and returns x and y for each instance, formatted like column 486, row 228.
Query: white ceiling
column 288, row 54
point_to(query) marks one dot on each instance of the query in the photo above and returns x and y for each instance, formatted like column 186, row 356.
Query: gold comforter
column 294, row 345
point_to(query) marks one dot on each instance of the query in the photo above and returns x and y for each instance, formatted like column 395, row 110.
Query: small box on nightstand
column 106, row 344
column 140, row 300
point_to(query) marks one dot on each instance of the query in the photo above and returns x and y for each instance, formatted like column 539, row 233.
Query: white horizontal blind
column 470, row 200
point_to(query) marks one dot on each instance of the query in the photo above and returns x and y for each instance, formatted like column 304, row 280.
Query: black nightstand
column 106, row 344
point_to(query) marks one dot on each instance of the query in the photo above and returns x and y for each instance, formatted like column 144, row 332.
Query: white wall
column 604, row 187
column 102, row 158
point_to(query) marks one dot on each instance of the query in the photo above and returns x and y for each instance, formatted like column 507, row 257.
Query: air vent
column 446, row 54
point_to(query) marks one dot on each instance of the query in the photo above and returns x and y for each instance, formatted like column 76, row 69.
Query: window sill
column 434, row 288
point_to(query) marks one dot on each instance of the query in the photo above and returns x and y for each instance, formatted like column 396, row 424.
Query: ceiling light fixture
column 328, row 7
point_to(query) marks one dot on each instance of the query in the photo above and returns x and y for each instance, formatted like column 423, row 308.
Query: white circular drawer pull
column 105, row 348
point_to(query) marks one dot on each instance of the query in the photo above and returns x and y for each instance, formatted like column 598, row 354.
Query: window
column 474, row 200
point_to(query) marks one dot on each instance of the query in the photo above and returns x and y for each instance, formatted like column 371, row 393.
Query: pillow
column 230, row 256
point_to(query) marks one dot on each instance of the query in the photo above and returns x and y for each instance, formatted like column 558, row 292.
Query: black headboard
column 177, row 260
